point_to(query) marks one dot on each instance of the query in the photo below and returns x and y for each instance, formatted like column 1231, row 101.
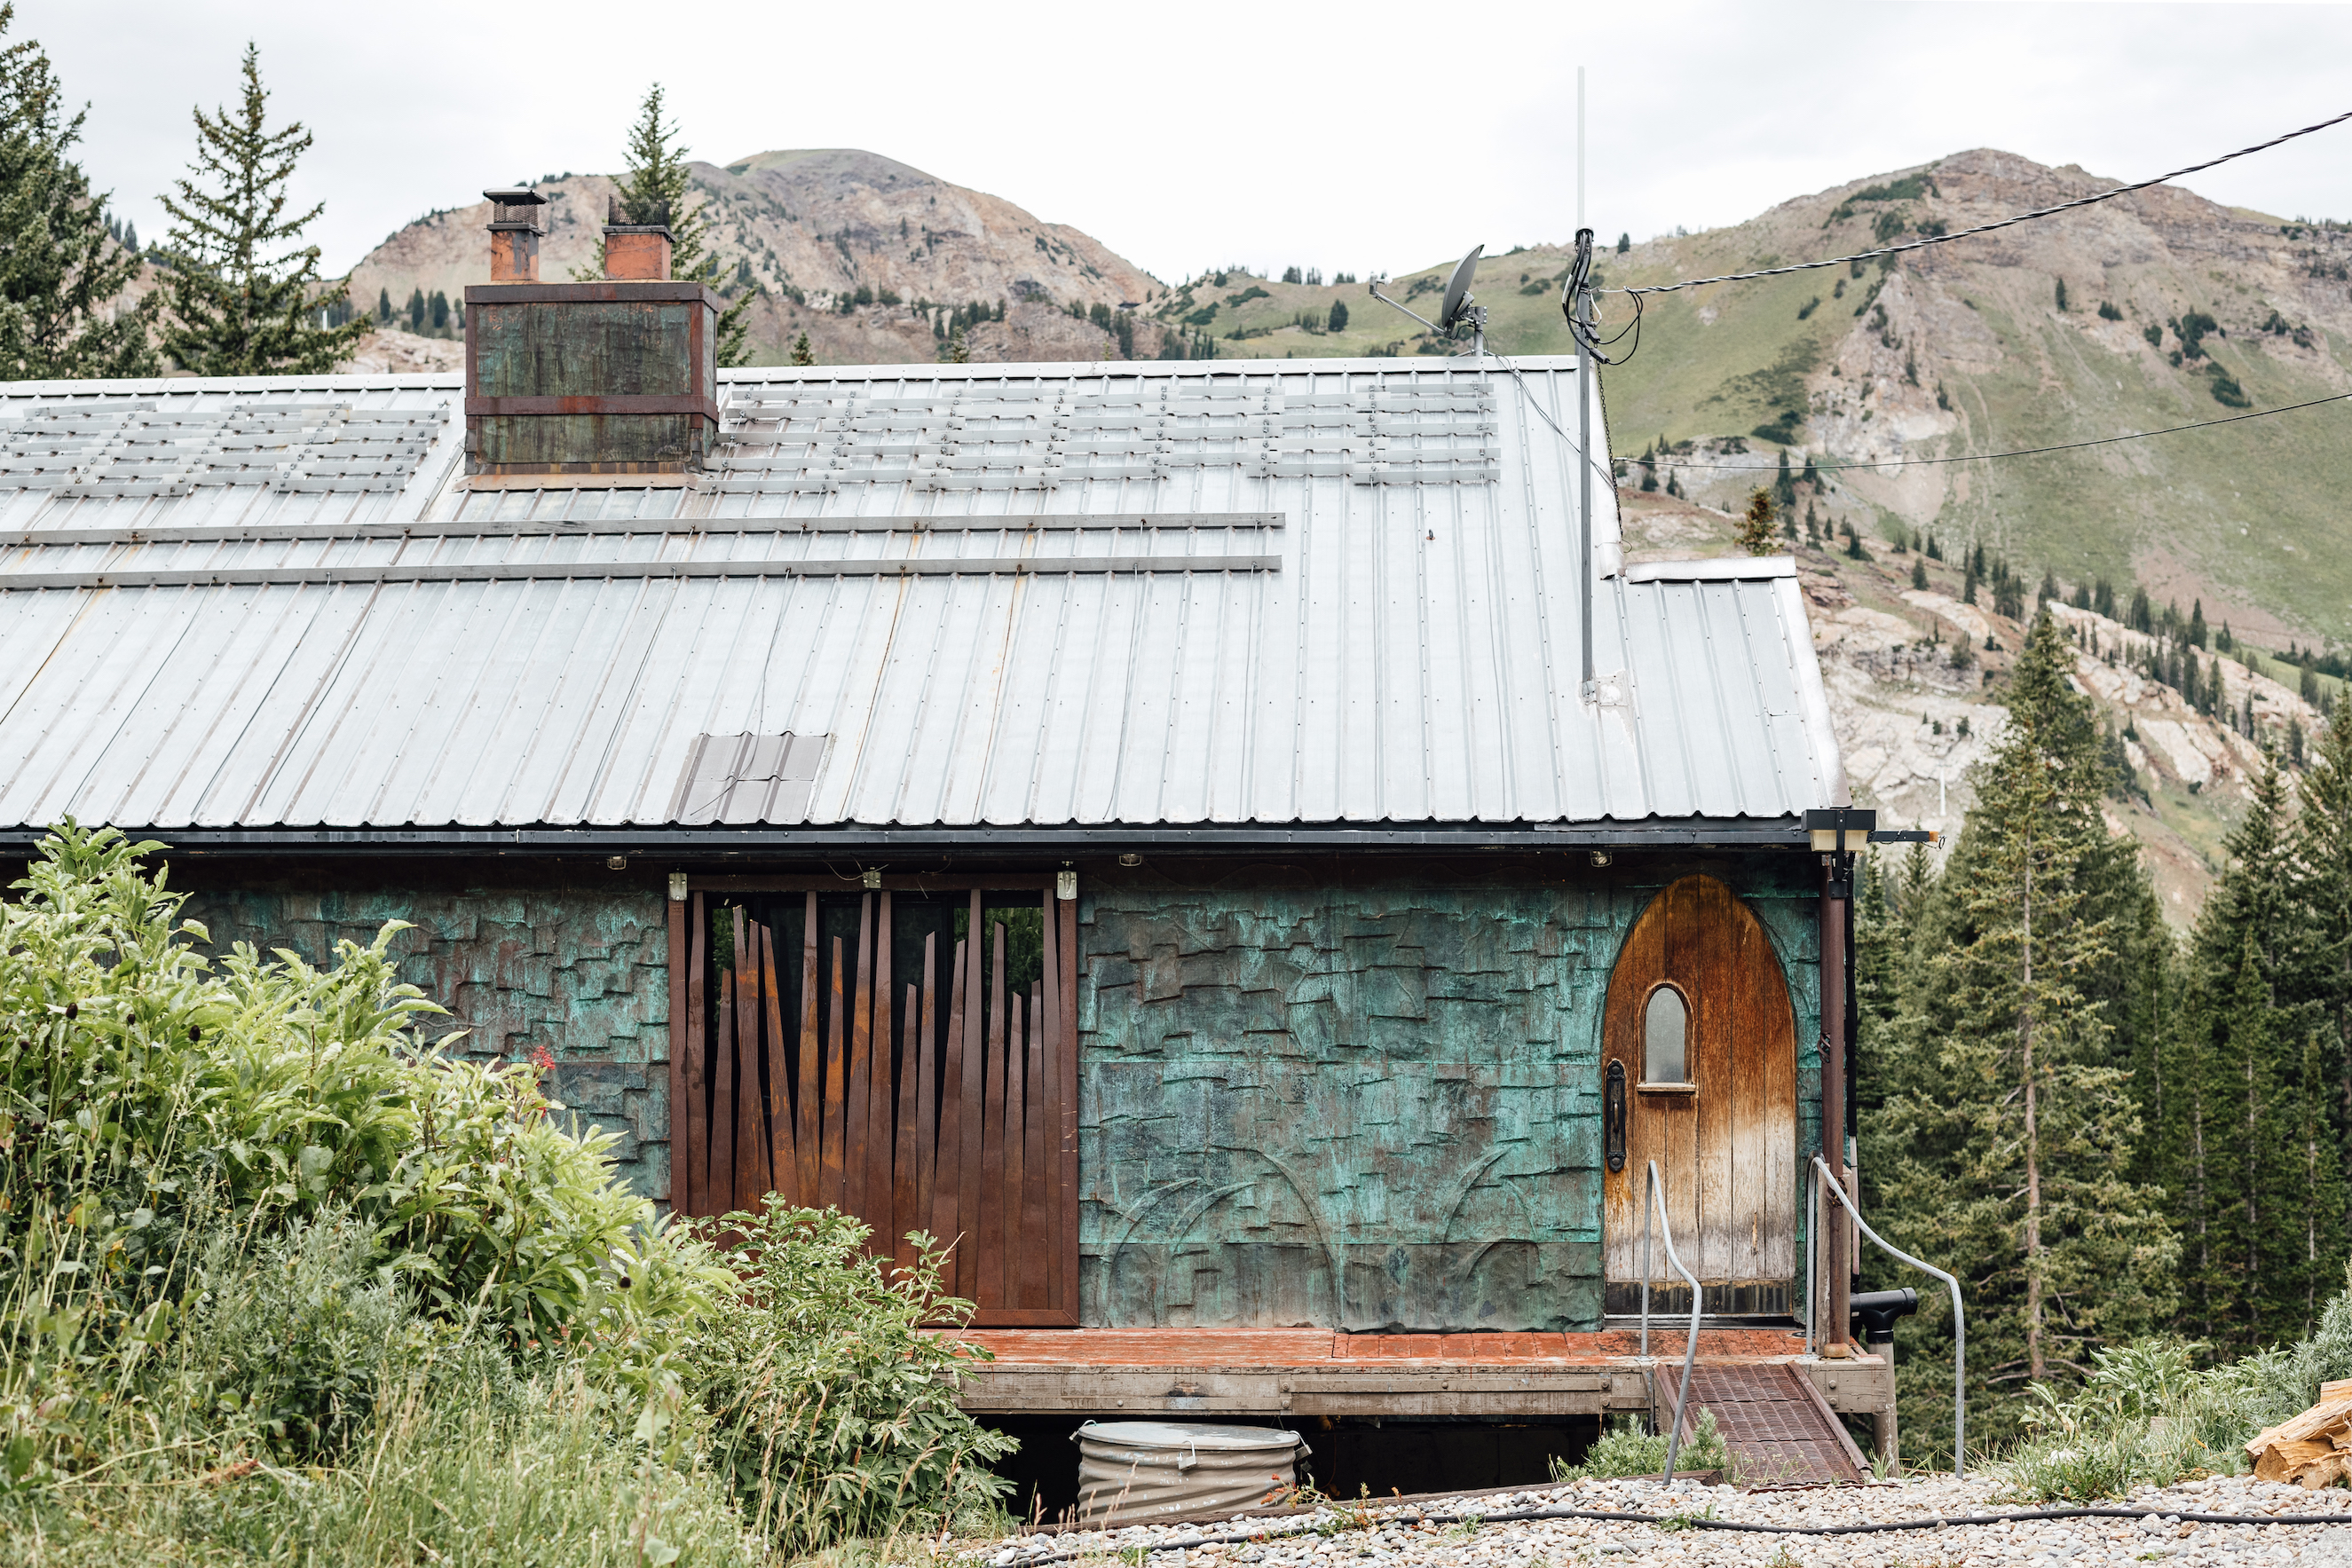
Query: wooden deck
column 1313, row 1372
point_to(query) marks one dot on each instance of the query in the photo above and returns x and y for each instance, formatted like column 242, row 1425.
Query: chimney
column 636, row 252
column 515, row 229
column 599, row 383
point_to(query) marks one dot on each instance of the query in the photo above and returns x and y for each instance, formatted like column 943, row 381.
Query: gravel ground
column 1403, row 1537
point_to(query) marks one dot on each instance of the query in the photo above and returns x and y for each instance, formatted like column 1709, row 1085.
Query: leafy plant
column 835, row 1413
column 1629, row 1449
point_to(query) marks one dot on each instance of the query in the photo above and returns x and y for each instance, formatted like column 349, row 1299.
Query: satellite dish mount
column 1460, row 305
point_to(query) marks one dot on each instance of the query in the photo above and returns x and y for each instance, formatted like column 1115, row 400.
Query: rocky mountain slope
column 1914, row 677
column 864, row 254
column 2174, row 310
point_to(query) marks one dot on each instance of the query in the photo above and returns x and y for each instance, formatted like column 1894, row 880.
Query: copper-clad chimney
column 636, row 252
column 515, row 231
column 612, row 381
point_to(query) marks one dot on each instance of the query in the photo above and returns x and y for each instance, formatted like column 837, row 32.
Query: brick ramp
column 1775, row 1423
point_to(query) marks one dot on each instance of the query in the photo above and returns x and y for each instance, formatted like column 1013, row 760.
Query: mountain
column 816, row 228
column 2175, row 310
column 1914, row 716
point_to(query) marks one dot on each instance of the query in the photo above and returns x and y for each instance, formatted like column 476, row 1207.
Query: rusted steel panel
column 1372, row 1106
column 579, row 972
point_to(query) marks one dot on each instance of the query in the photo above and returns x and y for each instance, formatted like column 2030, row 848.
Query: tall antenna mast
column 1581, row 326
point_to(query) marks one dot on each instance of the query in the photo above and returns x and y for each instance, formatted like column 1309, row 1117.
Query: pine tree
column 383, row 306
column 1756, row 527
column 2005, row 1145
column 959, row 348
column 1918, row 572
column 60, row 269
column 416, row 310
column 656, row 190
column 235, row 308
column 802, row 353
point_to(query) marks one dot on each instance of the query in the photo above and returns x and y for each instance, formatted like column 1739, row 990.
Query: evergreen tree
column 656, row 190
column 60, row 269
column 802, row 353
column 1756, row 527
column 2322, row 957
column 1338, row 317
column 2005, row 1146
column 1918, row 572
column 130, row 237
column 416, row 310
column 383, row 306
column 1784, row 486
column 235, row 308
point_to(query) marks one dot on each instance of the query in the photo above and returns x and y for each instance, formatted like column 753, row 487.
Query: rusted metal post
column 1836, row 1285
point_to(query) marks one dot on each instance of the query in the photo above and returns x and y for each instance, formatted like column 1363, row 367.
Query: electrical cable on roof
column 2020, row 452
column 1927, row 240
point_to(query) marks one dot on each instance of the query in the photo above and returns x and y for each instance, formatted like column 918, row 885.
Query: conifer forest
column 2106, row 1130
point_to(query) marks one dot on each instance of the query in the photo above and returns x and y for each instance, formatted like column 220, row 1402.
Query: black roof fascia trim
column 721, row 843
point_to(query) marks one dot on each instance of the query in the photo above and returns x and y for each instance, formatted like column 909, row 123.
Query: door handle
column 1612, row 1115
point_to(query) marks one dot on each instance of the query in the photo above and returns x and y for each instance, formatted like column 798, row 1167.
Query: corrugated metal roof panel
column 969, row 579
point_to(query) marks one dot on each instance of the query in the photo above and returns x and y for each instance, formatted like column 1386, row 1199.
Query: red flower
column 542, row 1058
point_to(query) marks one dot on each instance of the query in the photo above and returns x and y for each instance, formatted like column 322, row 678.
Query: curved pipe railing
column 1826, row 1179
column 1654, row 1201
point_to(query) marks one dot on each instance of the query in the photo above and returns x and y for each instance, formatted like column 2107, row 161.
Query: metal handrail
column 1654, row 1199
column 1959, row 1325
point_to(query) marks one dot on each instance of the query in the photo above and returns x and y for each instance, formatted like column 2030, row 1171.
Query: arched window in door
column 1666, row 1033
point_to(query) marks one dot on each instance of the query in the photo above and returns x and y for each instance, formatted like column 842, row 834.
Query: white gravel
column 1399, row 1537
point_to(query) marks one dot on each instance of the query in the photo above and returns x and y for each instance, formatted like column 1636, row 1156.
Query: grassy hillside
column 1964, row 349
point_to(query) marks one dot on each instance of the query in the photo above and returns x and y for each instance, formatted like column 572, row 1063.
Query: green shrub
column 1629, row 1449
column 835, row 1413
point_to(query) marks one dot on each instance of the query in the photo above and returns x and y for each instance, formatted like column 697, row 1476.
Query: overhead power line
column 1926, row 240
column 2020, row 452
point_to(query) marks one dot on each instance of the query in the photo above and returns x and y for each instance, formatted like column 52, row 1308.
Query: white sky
column 1358, row 136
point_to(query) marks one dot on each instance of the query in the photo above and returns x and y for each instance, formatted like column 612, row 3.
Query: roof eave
column 709, row 842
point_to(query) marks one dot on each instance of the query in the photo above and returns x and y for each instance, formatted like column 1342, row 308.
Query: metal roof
column 1170, row 595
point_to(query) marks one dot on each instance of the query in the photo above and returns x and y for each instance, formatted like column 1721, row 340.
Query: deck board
column 1260, row 1348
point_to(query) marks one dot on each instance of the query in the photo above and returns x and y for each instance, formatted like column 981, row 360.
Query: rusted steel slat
column 1046, row 1076
column 926, row 1120
column 806, row 1118
column 694, row 1166
column 949, row 1215
column 878, row 1185
column 1016, row 1248
column 1066, row 1175
column 906, row 1186
column 992, row 1159
column 971, row 1107
column 782, row 1168
column 837, row 1046
column 722, row 1105
column 751, row 1176
column 680, row 1129
column 1036, row 1239
column 861, row 1067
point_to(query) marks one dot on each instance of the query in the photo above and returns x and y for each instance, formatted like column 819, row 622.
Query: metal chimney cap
column 524, row 197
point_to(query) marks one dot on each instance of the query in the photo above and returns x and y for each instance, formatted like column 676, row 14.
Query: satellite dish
column 1457, row 290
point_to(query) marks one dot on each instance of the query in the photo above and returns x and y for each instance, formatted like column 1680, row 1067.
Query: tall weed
column 834, row 1413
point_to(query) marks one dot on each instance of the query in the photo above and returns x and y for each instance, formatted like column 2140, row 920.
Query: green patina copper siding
column 581, row 972
column 1369, row 1103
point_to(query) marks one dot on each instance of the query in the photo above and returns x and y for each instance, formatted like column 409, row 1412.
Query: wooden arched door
column 1698, row 972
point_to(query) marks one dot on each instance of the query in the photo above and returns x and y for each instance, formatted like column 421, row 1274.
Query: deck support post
column 1835, row 1287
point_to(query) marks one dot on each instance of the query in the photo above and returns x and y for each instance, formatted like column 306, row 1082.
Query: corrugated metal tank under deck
column 1133, row 1471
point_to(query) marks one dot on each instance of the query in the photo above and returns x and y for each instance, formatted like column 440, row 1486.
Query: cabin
column 1230, row 848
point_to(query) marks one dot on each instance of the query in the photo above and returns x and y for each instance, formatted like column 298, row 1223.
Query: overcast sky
column 1356, row 136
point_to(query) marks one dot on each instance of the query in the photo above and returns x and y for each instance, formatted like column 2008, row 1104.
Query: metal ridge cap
column 540, row 839
column 1085, row 369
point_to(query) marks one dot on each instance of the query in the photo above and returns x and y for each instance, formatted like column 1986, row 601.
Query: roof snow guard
column 1271, row 601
